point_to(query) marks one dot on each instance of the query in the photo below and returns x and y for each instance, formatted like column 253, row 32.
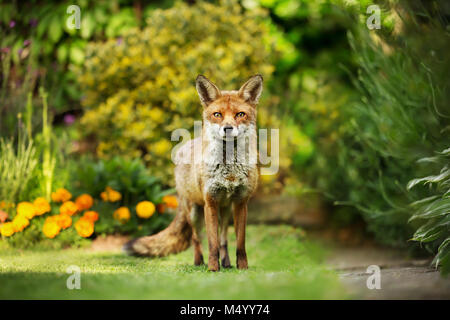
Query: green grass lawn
column 283, row 265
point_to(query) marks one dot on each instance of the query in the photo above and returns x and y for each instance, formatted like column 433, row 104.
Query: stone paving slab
column 400, row 276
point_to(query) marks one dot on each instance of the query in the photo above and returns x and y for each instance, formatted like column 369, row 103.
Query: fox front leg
column 196, row 220
column 211, row 221
column 225, row 214
column 240, row 221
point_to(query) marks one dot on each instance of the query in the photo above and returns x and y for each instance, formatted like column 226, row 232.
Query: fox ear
column 207, row 91
column 251, row 90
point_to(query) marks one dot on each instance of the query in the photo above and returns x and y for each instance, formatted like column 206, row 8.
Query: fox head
column 229, row 114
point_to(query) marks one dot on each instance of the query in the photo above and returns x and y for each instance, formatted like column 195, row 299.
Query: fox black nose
column 228, row 128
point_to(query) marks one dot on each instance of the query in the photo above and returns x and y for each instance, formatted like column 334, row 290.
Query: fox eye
column 240, row 114
column 217, row 114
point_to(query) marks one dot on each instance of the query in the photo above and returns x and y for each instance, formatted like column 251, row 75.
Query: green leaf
column 443, row 257
column 437, row 208
column 55, row 29
column 445, row 174
column 62, row 53
column 87, row 25
column 432, row 230
column 77, row 52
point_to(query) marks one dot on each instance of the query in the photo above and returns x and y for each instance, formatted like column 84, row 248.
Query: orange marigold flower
column 7, row 229
column 51, row 219
column 145, row 209
column 91, row 215
column 61, row 195
column 84, row 202
column 41, row 206
column 63, row 220
column 122, row 214
column 113, row 195
column 55, row 197
column 26, row 209
column 3, row 216
column 110, row 195
column 51, row 227
column 104, row 196
column 170, row 201
column 19, row 223
column 84, row 227
column 69, row 208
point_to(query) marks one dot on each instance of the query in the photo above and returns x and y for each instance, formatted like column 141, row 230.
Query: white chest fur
column 227, row 164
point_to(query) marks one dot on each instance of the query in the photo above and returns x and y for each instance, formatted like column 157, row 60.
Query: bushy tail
column 175, row 238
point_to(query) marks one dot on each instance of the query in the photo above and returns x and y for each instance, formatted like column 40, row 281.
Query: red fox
column 222, row 181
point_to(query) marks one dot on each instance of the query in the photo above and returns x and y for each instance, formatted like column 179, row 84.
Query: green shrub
column 38, row 49
column 138, row 89
column 399, row 118
column 309, row 89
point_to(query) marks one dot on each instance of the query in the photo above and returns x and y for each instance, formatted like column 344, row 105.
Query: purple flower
column 12, row 23
column 119, row 41
column 33, row 22
column 69, row 119
column 26, row 42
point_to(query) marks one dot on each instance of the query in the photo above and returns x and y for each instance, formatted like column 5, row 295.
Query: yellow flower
column 110, row 195
column 20, row 222
column 63, row 220
column 69, row 208
column 61, row 195
column 161, row 147
column 91, row 215
column 84, row 227
column 26, row 209
column 145, row 209
column 7, row 229
column 156, row 114
column 122, row 214
column 51, row 228
column 170, row 201
column 41, row 206
column 84, row 202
